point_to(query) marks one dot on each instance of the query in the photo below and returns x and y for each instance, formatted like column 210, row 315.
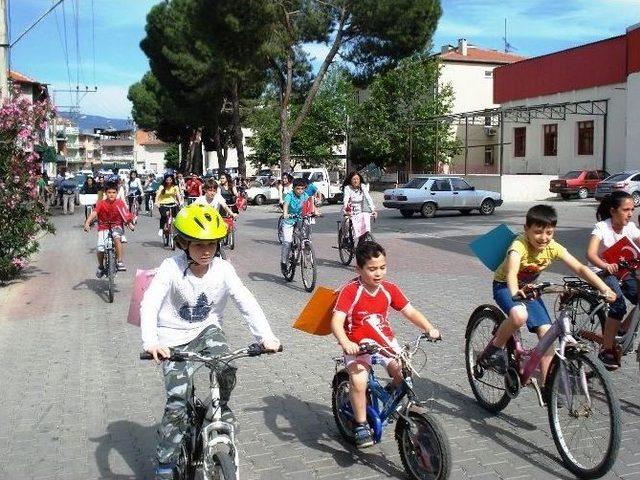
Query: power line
column 93, row 40
column 66, row 48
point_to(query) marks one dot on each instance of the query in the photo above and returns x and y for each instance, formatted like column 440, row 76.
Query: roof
column 18, row 77
column 147, row 137
column 480, row 55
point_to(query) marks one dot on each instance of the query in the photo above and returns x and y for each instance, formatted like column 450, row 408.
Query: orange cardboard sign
column 315, row 317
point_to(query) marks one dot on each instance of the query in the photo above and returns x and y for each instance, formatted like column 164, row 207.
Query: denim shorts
column 537, row 314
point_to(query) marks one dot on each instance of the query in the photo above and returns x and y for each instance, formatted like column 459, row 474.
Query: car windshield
column 571, row 175
column 618, row 177
column 304, row 175
column 416, row 183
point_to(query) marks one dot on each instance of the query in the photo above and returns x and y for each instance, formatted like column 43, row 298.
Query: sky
column 100, row 47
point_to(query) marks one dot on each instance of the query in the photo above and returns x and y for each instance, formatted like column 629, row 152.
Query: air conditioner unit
column 490, row 131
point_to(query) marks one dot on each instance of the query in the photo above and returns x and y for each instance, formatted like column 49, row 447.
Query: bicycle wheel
column 341, row 405
column 345, row 243
column 308, row 266
column 584, row 414
column 231, row 239
column 584, row 323
column 424, row 447
column 225, row 467
column 111, row 274
column 172, row 242
column 280, row 224
column 290, row 271
column 487, row 385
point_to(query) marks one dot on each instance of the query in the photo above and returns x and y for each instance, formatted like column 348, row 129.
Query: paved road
column 76, row 403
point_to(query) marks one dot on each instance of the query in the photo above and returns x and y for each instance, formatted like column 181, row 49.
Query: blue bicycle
column 422, row 443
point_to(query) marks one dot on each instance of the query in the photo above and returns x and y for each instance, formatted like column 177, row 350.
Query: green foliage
column 398, row 107
column 172, row 157
column 323, row 129
column 22, row 216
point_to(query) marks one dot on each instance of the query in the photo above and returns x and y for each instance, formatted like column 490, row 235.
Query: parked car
column 261, row 191
column 427, row 194
column 581, row 183
column 628, row 181
column 329, row 191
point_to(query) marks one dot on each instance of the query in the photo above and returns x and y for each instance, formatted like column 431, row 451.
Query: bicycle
column 209, row 442
column 167, row 236
column 150, row 199
column 578, row 387
column 422, row 441
column 346, row 243
column 280, row 224
column 230, row 239
column 89, row 202
column 302, row 252
column 588, row 317
column 110, row 266
column 135, row 207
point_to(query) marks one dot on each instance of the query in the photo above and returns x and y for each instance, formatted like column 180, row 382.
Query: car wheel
column 259, row 200
column 406, row 213
column 565, row 196
column 583, row 193
column 487, row 207
column 428, row 210
column 636, row 199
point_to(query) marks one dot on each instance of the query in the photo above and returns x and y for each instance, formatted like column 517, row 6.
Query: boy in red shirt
column 110, row 211
column 194, row 188
column 360, row 316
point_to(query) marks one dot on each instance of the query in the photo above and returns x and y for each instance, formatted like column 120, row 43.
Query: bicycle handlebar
column 253, row 350
column 372, row 348
column 544, row 288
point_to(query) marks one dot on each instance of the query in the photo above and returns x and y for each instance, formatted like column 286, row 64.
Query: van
column 123, row 173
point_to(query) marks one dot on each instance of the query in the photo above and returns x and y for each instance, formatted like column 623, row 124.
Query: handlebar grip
column 256, row 349
column 146, row 356
column 426, row 337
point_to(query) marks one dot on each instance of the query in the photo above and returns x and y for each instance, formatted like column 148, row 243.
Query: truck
column 328, row 187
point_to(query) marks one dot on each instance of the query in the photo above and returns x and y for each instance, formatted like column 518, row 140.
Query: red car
column 581, row 183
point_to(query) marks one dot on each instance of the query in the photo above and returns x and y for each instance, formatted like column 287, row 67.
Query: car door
column 464, row 195
column 441, row 193
column 591, row 180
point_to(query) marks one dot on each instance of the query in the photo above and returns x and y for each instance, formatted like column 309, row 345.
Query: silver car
column 429, row 194
column 628, row 181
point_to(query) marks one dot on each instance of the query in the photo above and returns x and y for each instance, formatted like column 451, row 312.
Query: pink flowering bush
column 22, row 217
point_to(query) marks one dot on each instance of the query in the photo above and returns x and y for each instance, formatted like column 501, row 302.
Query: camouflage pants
column 178, row 383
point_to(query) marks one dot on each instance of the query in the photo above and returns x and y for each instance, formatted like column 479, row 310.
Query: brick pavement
column 77, row 404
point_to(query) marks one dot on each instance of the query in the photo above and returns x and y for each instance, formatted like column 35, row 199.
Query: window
column 416, row 183
column 585, row 138
column 592, row 176
column 487, row 121
column 488, row 73
column 519, row 141
column 460, row 185
column 441, row 185
column 602, row 174
column 488, row 155
column 551, row 140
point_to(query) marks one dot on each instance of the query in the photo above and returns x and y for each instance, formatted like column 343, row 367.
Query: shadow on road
column 266, row 242
column 312, row 425
column 277, row 279
column 134, row 443
column 26, row 274
column 323, row 262
column 96, row 285
column 153, row 243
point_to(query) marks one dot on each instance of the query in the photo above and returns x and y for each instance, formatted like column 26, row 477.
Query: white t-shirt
column 215, row 203
column 604, row 231
column 178, row 305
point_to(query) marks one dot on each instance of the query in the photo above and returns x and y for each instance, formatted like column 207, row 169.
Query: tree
column 370, row 35
column 394, row 126
column 172, row 157
column 323, row 129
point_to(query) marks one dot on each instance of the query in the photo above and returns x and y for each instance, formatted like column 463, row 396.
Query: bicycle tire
column 225, row 466
column 344, row 250
column 559, row 403
column 280, row 225
column 308, row 260
column 472, row 350
column 580, row 307
column 231, row 240
column 111, row 274
column 339, row 397
column 433, row 458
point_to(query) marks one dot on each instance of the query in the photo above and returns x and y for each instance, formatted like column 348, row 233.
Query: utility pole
column 4, row 51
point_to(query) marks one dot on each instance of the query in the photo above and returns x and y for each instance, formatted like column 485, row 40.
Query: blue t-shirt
column 295, row 202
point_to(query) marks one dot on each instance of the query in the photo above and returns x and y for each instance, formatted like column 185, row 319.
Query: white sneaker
column 124, row 239
column 160, row 233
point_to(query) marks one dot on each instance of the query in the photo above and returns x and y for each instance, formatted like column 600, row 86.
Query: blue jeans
column 628, row 288
column 537, row 314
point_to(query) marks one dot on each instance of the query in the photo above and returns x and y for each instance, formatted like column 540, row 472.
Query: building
column 470, row 72
column 149, row 152
column 90, row 150
column 68, row 144
column 577, row 108
column 116, row 147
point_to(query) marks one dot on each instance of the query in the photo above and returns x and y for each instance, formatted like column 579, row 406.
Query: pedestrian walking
column 68, row 187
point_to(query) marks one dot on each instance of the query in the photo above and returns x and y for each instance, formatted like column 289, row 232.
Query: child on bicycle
column 182, row 309
column 614, row 215
column 110, row 211
column 168, row 198
column 529, row 254
column 292, row 210
column 213, row 198
column 360, row 316
column 358, row 204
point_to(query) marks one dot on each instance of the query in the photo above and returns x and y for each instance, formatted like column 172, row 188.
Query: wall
column 472, row 90
column 477, row 139
column 148, row 155
column 534, row 162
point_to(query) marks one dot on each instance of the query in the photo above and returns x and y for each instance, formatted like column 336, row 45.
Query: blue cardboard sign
column 491, row 248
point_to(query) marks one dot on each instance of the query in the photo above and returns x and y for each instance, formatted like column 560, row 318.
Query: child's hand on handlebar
column 271, row 344
column 351, row 348
column 159, row 353
column 610, row 295
column 434, row 334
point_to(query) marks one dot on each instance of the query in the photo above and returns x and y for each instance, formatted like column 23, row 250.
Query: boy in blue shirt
column 293, row 202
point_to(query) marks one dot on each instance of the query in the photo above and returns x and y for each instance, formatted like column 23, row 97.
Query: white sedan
column 262, row 191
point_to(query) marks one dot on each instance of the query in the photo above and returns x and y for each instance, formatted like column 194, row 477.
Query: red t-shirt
column 115, row 212
column 193, row 187
column 367, row 313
